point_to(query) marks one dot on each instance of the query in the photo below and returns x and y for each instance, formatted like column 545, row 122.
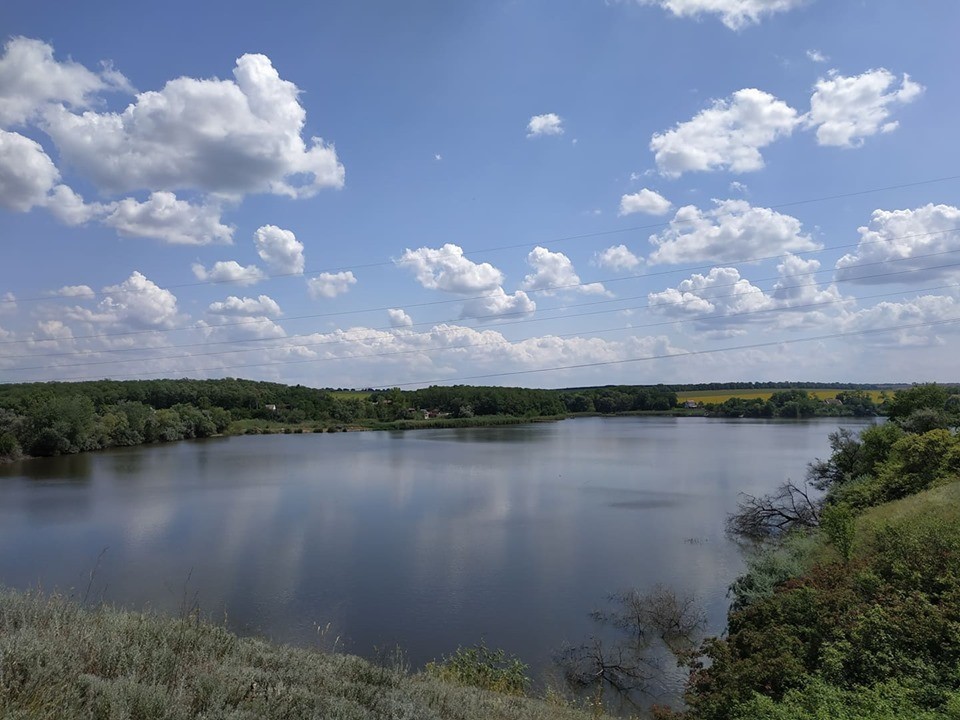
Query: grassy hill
column 62, row 661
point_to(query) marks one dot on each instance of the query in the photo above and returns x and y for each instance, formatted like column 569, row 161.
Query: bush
column 483, row 668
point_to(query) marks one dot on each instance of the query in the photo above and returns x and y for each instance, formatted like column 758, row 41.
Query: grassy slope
column 60, row 660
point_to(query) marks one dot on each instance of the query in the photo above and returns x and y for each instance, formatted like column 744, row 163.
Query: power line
column 549, row 289
column 289, row 346
column 284, row 341
column 577, row 366
column 443, row 348
column 553, row 241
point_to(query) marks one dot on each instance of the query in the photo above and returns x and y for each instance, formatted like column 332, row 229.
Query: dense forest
column 42, row 419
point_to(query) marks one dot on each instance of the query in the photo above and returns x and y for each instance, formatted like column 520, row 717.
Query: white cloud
column 280, row 249
column 732, row 231
column 498, row 304
column 70, row 209
column 735, row 14
column 547, row 124
column 30, row 78
column 399, row 318
column 720, row 292
column 27, row 174
column 816, row 56
column 447, row 269
column 798, row 283
column 729, row 134
column 221, row 136
column 845, row 110
column 739, row 187
column 163, row 217
column 915, row 244
column 329, row 285
column 8, row 303
column 645, row 201
column 922, row 309
column 617, row 258
column 233, row 305
column 554, row 271
column 136, row 303
column 229, row 271
column 76, row 291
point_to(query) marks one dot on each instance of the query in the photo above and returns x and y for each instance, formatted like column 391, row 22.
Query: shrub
column 481, row 667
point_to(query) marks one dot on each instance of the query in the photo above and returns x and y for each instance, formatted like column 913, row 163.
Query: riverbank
column 59, row 659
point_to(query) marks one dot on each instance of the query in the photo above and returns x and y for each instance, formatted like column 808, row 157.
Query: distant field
column 718, row 396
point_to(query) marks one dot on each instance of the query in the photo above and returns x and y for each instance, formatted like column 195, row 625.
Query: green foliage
column 839, row 525
column 889, row 618
column 919, row 397
column 481, row 667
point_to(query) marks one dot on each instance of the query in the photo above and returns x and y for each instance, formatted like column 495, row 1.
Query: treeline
column 781, row 385
column 853, row 610
column 42, row 419
column 797, row 403
column 466, row 401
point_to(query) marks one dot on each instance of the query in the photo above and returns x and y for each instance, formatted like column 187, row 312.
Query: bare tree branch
column 790, row 506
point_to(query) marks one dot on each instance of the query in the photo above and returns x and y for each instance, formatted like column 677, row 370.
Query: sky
column 513, row 192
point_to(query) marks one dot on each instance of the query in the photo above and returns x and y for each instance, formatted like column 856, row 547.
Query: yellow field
column 718, row 396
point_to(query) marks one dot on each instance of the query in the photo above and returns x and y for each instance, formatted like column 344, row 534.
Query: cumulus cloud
column 729, row 134
column 77, row 291
column 720, row 292
column 915, row 244
column 233, row 305
column 163, row 217
column 136, row 303
column 399, row 318
column 279, row 249
column 798, row 283
column 229, row 271
column 735, row 14
column 845, row 110
column 447, row 269
column 499, row 304
column 27, row 174
column 729, row 300
column 554, row 271
column 617, row 258
column 220, row 136
column 329, row 285
column 71, row 209
column 733, row 230
column 816, row 56
column 922, row 309
column 547, row 124
column 645, row 201
column 30, row 78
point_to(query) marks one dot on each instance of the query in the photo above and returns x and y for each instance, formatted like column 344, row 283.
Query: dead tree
column 790, row 506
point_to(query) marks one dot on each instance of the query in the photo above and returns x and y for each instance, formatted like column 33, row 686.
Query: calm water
column 426, row 539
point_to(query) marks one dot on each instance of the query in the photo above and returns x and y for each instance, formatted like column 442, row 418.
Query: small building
column 691, row 404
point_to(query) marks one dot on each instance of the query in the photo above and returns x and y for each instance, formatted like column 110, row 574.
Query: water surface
column 428, row 539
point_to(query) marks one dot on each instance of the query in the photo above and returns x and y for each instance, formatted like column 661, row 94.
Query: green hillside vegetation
column 853, row 610
column 62, row 661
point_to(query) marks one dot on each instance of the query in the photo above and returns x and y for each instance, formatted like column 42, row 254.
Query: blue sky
column 520, row 192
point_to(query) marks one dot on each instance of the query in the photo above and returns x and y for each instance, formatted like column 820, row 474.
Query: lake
column 425, row 539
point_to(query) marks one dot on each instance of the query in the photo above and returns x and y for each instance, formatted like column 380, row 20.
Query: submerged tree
column 629, row 663
column 791, row 506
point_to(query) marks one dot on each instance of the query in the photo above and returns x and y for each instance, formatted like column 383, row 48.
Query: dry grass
column 61, row 661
